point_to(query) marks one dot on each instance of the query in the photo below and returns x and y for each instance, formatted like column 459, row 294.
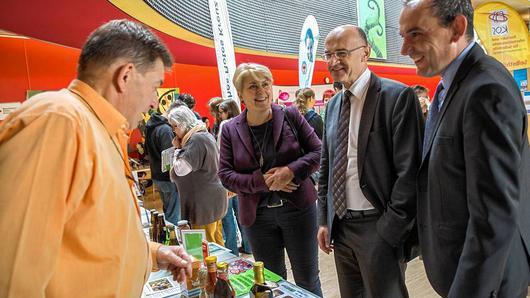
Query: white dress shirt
column 355, row 200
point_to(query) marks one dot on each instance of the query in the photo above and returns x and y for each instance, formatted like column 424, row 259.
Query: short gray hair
column 183, row 118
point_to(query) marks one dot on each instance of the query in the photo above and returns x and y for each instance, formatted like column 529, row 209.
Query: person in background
column 206, row 122
column 328, row 94
column 423, row 96
column 189, row 100
column 158, row 137
column 228, row 109
column 69, row 219
column 263, row 163
column 213, row 107
column 305, row 100
column 474, row 179
column 371, row 152
column 337, row 86
column 202, row 196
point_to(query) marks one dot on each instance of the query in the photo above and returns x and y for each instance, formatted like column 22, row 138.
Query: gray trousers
column 367, row 266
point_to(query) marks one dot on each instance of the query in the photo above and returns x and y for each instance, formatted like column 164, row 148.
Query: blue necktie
column 432, row 117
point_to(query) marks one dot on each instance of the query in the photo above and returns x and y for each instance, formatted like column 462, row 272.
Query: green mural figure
column 371, row 23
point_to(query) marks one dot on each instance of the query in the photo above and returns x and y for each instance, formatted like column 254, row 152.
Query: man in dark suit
column 370, row 157
column 473, row 188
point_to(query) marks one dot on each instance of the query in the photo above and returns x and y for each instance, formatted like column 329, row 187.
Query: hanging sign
column 307, row 51
column 224, row 47
column 503, row 33
column 371, row 17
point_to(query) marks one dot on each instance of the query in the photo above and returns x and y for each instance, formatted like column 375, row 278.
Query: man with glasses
column 370, row 155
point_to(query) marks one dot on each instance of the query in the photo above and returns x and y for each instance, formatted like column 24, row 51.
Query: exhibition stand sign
column 307, row 51
column 224, row 47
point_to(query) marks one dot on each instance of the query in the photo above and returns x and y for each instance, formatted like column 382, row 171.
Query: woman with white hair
column 202, row 197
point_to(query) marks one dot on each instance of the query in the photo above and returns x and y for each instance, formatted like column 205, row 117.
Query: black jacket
column 316, row 122
column 388, row 157
column 158, row 137
column 474, row 184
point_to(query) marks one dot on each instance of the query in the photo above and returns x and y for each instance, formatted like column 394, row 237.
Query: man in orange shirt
column 69, row 220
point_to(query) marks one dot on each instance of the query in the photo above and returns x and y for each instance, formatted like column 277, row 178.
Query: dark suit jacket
column 473, row 200
column 239, row 169
column 389, row 153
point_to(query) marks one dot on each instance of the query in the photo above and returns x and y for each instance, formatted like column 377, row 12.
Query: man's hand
column 278, row 178
column 174, row 259
column 323, row 241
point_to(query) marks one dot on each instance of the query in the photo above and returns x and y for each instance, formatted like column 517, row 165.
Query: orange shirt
column 69, row 223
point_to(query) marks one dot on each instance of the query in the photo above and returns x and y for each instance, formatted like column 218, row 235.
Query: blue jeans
column 294, row 230
column 245, row 245
column 229, row 229
column 170, row 200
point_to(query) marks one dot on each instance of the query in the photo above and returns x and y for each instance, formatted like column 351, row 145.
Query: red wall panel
column 13, row 74
column 51, row 67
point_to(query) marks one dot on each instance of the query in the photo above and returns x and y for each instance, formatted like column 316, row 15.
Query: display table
column 161, row 284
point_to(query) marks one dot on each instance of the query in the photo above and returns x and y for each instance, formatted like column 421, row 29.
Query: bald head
column 348, row 30
column 347, row 51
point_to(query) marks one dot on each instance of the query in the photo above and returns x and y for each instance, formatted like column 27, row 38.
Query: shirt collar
column 111, row 118
column 359, row 87
column 449, row 73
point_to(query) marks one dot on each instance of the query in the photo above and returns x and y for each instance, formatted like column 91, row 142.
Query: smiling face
column 425, row 40
column 256, row 93
column 347, row 70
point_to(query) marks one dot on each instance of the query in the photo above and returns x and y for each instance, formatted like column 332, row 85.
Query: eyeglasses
column 341, row 54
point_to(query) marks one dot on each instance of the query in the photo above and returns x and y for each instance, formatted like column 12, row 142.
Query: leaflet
column 167, row 158
column 162, row 287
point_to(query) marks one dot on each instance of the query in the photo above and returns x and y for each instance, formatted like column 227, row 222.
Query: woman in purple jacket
column 267, row 157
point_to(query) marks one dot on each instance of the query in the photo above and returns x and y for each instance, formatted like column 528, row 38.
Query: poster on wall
column 371, row 17
column 503, row 33
column 224, row 47
column 165, row 97
column 30, row 93
column 7, row 108
column 307, row 51
column 284, row 95
column 521, row 78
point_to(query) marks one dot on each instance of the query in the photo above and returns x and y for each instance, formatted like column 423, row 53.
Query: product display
column 223, row 288
column 211, row 266
column 260, row 289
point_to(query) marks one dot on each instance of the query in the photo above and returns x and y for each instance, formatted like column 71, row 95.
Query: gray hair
column 183, row 118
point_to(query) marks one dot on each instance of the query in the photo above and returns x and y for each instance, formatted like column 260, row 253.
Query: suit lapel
column 468, row 62
column 242, row 130
column 336, row 106
column 367, row 117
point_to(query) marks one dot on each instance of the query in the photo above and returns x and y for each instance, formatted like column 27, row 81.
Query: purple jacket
column 240, row 172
